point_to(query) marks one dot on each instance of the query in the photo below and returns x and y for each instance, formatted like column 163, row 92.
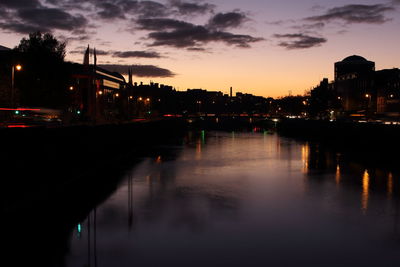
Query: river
column 244, row 199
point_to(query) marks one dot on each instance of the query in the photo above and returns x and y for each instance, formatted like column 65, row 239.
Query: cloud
column 147, row 9
column 15, row 26
column 17, row 4
column 181, row 34
column 118, row 54
column 372, row 14
column 196, row 36
column 307, row 27
column 24, row 16
column 190, row 8
column 51, row 18
column 136, row 54
column 227, row 20
column 162, row 24
column 299, row 41
column 140, row 70
column 110, row 11
column 158, row 18
column 82, row 50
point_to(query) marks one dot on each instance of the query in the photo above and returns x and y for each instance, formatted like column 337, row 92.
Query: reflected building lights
column 198, row 151
column 305, row 151
column 337, row 176
column 365, row 192
column 390, row 186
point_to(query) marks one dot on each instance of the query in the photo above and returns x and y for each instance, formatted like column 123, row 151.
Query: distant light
column 71, row 88
column 78, row 112
column 140, row 99
column 18, row 67
column 367, row 95
column 391, row 96
column 117, row 95
column 79, row 228
column 339, row 97
column 100, row 92
column 16, row 112
column 130, row 97
column 148, row 99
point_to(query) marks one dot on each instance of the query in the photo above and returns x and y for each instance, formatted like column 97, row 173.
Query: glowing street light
column 367, row 95
column 14, row 68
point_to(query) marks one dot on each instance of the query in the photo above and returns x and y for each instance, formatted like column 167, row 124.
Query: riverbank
column 367, row 141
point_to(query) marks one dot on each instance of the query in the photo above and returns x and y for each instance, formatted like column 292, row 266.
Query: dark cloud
column 51, row 18
column 17, row 4
column 16, row 26
column 299, row 41
column 110, row 11
column 136, row 54
column 197, row 49
column 191, row 8
column 307, row 27
column 24, row 16
column 181, row 34
column 140, row 70
column 195, row 36
column 151, row 9
column 118, row 54
column 162, row 24
column 82, row 50
column 227, row 20
column 373, row 14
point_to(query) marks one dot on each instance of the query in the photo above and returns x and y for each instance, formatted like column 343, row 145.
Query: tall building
column 387, row 83
column 354, row 81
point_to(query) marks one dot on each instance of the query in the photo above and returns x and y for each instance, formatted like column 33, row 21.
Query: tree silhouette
column 44, row 78
column 45, row 46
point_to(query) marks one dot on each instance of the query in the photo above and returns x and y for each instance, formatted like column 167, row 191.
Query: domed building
column 352, row 67
column 354, row 81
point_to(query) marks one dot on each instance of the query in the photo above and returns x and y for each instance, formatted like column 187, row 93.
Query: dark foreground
column 198, row 198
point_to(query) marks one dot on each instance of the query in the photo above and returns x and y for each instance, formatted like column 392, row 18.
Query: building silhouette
column 354, row 81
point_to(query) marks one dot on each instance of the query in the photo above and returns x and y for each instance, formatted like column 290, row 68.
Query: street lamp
column 14, row 68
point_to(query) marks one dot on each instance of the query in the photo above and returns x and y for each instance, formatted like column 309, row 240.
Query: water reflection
column 365, row 191
column 230, row 199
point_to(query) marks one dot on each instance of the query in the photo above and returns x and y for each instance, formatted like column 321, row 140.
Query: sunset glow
column 266, row 48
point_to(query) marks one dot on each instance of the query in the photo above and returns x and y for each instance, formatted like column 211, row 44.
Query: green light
column 78, row 112
column 203, row 137
column 79, row 228
column 17, row 112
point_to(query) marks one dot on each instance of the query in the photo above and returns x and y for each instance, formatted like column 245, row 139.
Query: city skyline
column 257, row 47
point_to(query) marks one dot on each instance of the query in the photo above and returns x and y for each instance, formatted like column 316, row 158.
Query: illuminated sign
column 111, row 84
column 110, row 76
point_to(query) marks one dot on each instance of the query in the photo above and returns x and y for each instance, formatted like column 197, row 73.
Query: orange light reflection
column 365, row 192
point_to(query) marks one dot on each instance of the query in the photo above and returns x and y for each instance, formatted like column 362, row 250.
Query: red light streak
column 20, row 109
column 17, row 126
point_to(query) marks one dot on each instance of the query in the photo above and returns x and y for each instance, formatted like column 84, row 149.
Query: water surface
column 244, row 199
